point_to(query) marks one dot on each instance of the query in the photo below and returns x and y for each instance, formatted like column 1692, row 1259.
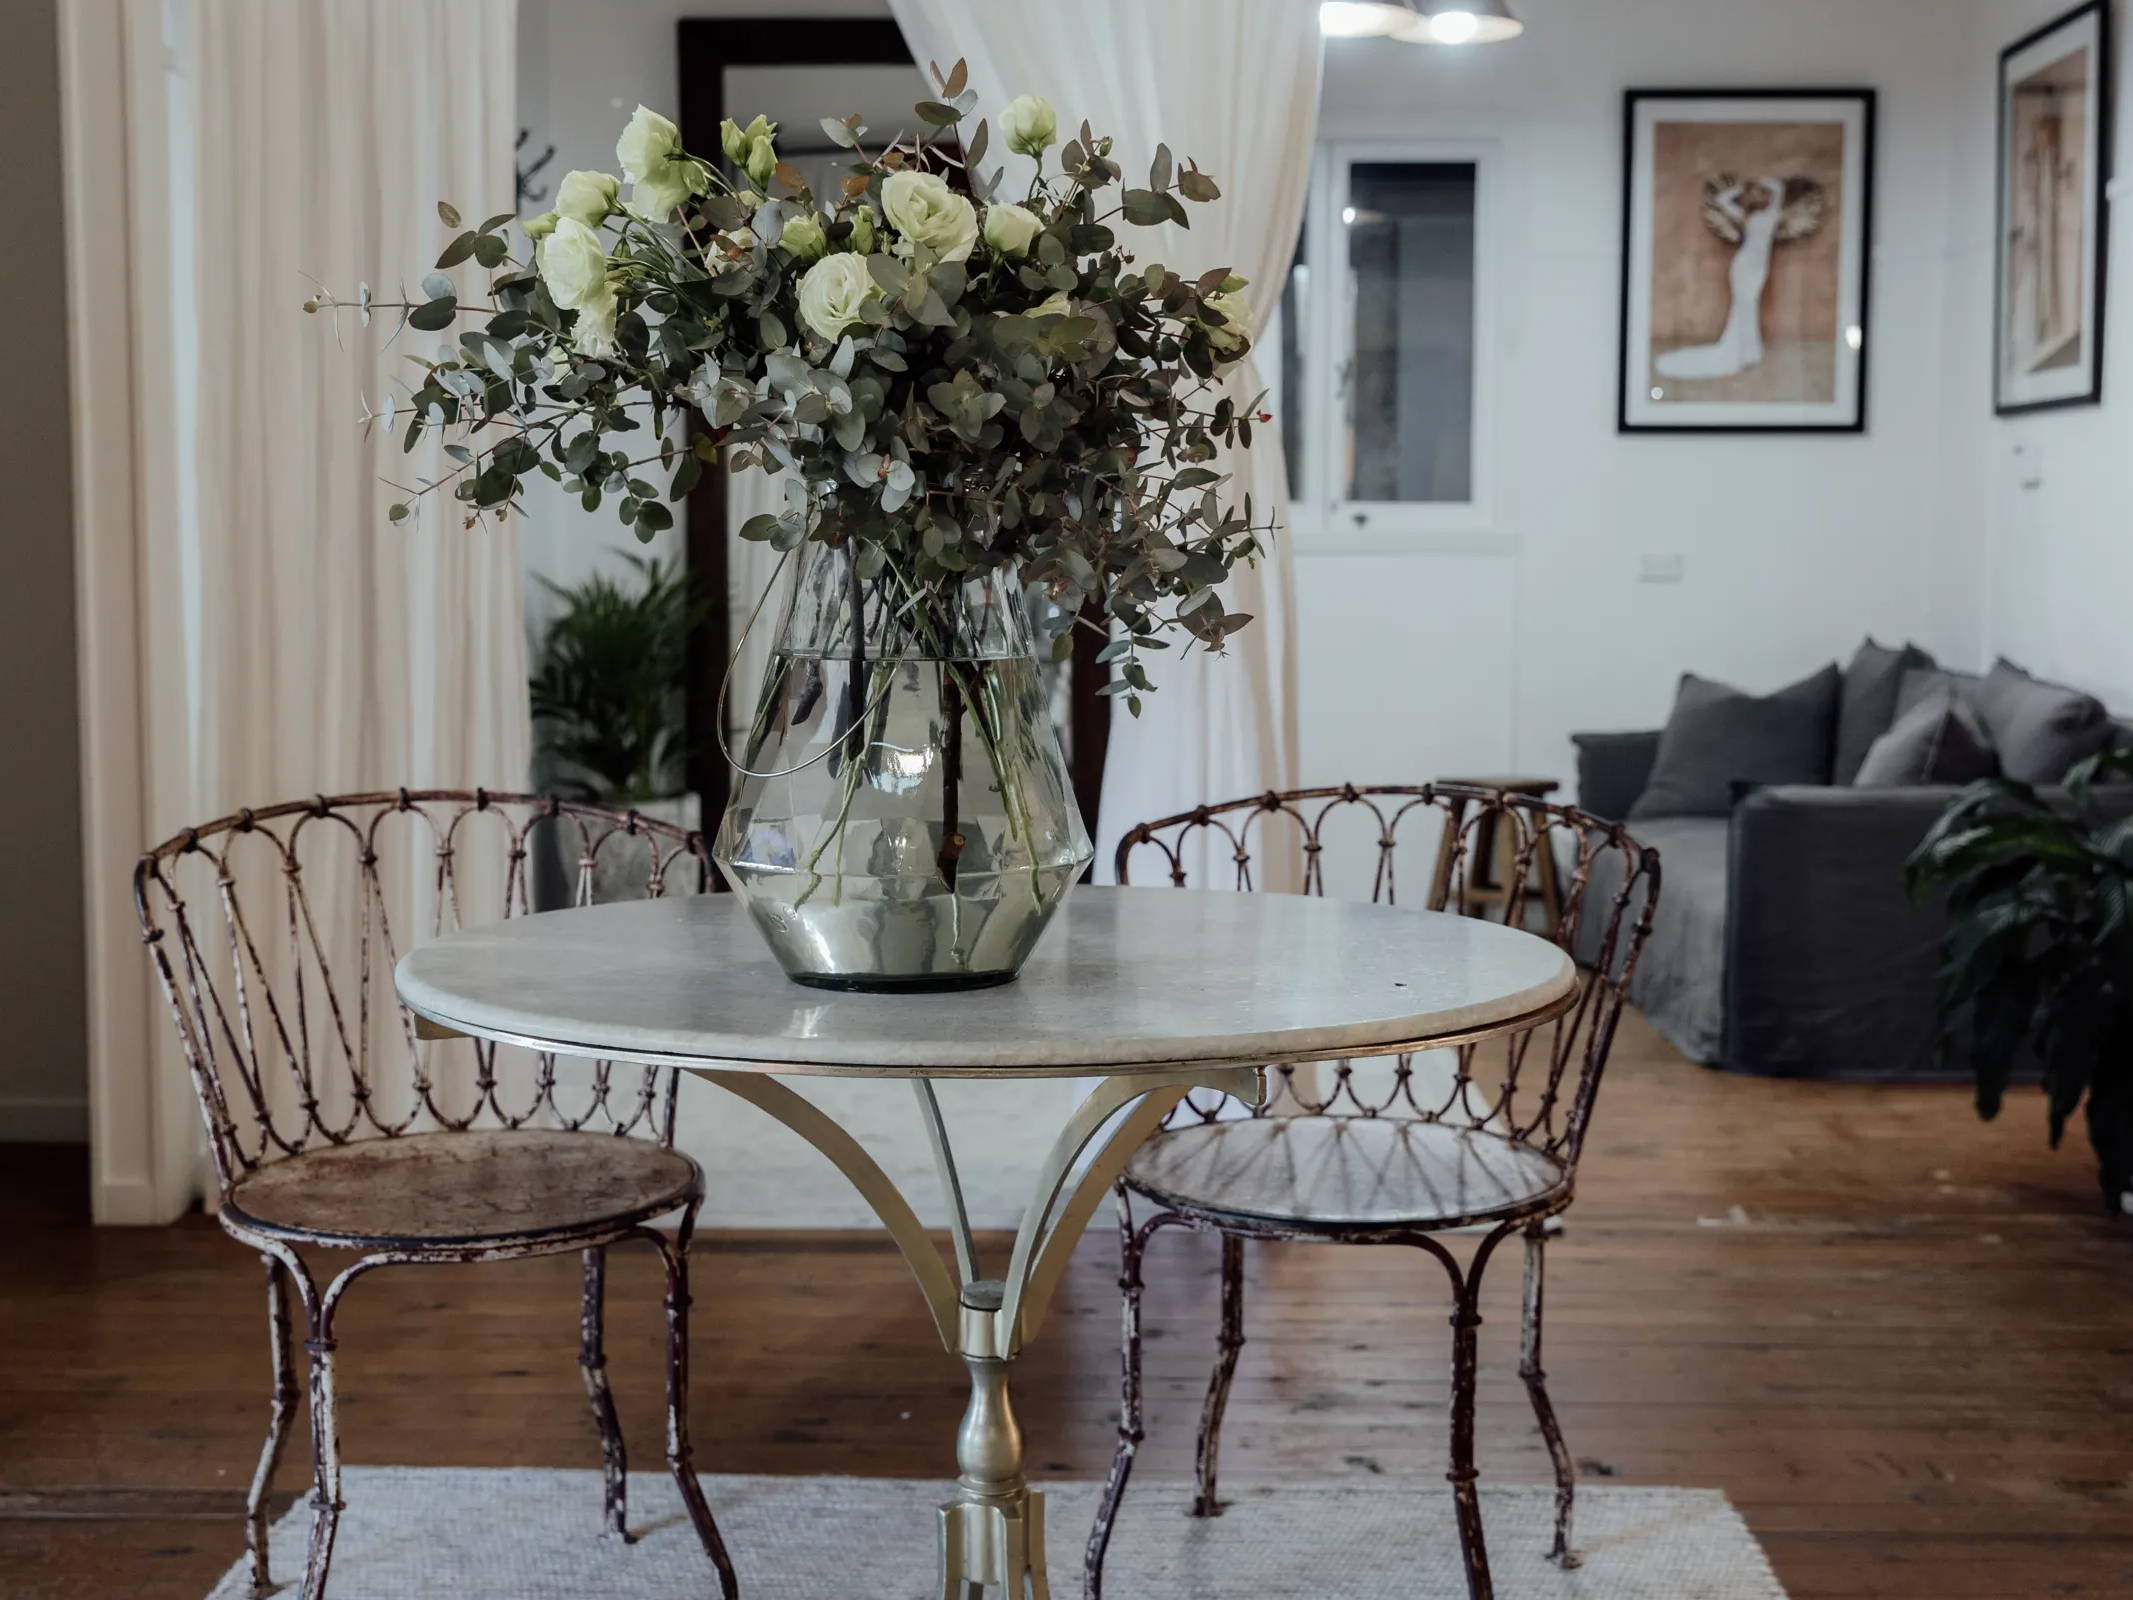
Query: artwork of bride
column 1754, row 215
column 1745, row 260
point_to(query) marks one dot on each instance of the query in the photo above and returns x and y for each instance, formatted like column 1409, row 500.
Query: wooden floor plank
column 1900, row 1339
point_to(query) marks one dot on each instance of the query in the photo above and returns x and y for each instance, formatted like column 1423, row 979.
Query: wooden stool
column 1482, row 890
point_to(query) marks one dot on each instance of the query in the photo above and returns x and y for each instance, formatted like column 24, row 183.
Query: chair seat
column 503, row 1186
column 1339, row 1174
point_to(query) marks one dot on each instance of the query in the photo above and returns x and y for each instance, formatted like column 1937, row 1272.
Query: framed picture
column 2055, row 142
column 1747, row 235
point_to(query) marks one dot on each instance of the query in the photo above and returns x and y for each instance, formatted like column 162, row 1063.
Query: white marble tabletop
column 1126, row 979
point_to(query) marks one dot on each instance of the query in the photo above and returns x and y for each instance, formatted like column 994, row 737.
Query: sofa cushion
column 1866, row 709
column 1923, row 683
column 2040, row 729
column 1681, row 975
column 1718, row 735
column 1937, row 741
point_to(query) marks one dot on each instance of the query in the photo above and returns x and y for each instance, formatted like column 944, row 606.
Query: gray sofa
column 1785, row 943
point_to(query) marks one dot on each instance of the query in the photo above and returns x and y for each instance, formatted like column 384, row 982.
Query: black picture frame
column 2097, row 254
column 1632, row 416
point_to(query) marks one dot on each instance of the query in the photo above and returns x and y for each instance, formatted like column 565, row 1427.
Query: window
column 1382, row 382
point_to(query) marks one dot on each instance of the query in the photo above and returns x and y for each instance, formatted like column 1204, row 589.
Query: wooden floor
column 1902, row 1342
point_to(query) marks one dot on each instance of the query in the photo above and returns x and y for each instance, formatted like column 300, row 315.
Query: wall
column 2050, row 568
column 1506, row 642
column 43, row 1074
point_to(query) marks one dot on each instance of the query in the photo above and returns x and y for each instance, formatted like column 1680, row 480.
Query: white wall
column 1792, row 547
column 2050, row 572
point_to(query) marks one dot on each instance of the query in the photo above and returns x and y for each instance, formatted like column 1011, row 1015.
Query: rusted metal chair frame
column 235, row 1043
column 1572, row 1050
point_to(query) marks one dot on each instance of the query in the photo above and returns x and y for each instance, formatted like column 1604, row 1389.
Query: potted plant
column 2038, row 957
column 969, row 391
column 607, row 699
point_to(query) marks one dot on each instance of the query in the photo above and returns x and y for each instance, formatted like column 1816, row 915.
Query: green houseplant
column 2038, row 957
column 607, row 684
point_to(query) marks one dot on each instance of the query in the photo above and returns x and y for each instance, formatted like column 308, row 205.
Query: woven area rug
column 533, row 1535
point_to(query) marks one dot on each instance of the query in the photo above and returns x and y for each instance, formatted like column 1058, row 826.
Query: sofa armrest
column 1613, row 769
column 1830, row 965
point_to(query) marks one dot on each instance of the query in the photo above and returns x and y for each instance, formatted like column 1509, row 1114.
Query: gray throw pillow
column 1919, row 686
column 1867, row 708
column 2040, row 729
column 1937, row 741
column 1718, row 736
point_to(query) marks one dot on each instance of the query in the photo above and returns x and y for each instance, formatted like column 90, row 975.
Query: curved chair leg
column 1466, row 1332
column 1529, row 1368
column 592, row 1357
column 282, row 1348
column 1133, row 1247
column 680, row 1458
column 1205, row 1504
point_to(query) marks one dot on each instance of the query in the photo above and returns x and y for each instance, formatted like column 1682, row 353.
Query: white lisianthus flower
column 862, row 235
column 1010, row 230
column 1030, row 124
column 651, row 156
column 804, row 238
column 834, row 294
column 921, row 207
column 736, row 139
column 1236, row 329
column 1057, row 306
column 594, row 334
column 762, row 160
column 573, row 264
column 540, row 227
column 647, row 144
column 587, row 196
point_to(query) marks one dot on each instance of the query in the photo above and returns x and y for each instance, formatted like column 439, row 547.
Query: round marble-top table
column 1152, row 992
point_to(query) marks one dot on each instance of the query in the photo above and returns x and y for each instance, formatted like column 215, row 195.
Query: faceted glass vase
column 902, row 818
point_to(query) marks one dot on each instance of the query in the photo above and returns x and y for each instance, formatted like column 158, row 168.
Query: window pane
column 1409, row 394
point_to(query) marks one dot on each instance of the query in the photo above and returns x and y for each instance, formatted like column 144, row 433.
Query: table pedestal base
column 992, row 1532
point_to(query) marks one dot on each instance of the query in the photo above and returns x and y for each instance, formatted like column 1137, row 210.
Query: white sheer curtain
column 1232, row 84
column 335, row 649
column 254, row 628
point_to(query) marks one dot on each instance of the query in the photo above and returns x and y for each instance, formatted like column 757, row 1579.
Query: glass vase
column 902, row 818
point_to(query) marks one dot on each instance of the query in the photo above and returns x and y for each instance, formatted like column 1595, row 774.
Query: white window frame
column 1323, row 519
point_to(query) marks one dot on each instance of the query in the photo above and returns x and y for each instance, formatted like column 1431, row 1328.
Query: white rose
column 1236, row 329
column 921, row 207
column 587, row 196
column 834, row 294
column 1010, row 229
column 573, row 264
column 1031, row 125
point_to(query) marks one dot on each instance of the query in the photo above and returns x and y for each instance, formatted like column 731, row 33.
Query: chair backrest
column 275, row 932
column 1535, row 1086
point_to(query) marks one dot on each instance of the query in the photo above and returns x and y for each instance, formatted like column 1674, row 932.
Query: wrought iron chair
column 335, row 1128
column 1485, row 1137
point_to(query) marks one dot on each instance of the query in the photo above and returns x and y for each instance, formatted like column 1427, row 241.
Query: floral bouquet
column 970, row 398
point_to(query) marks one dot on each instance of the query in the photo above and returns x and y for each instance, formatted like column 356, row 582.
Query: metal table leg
column 992, row 1530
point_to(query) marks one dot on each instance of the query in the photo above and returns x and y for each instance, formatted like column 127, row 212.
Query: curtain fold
column 1233, row 84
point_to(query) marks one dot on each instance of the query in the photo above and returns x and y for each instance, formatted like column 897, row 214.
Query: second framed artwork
column 1747, row 238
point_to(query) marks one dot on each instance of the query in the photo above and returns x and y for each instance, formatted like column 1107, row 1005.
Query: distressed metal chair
column 336, row 1129
column 1485, row 1137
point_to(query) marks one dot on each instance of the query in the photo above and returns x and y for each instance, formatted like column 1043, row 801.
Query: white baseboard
column 43, row 1119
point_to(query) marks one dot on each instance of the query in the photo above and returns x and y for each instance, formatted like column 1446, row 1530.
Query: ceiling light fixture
column 1460, row 22
column 1420, row 21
